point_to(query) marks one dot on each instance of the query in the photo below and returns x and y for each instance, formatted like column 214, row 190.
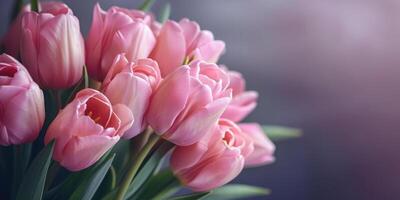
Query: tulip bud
column 21, row 104
column 263, row 147
column 87, row 128
column 11, row 41
column 177, row 41
column 213, row 161
column 116, row 31
column 188, row 102
column 52, row 48
column 243, row 102
column 132, row 84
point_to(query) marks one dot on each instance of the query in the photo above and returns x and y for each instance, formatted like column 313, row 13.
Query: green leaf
column 121, row 150
column 146, row 5
column 149, row 167
column 276, row 133
column 88, row 187
column 108, row 183
column 165, row 13
column 236, row 191
column 193, row 196
column 85, row 77
column 73, row 180
column 21, row 158
column 32, row 184
column 35, row 5
column 159, row 186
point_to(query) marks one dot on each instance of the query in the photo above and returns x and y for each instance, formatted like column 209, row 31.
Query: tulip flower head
column 178, row 41
column 21, row 104
column 52, row 47
column 243, row 102
column 132, row 84
column 118, row 30
column 189, row 102
column 87, row 128
column 213, row 161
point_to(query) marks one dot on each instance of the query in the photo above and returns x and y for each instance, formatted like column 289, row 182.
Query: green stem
column 35, row 5
column 135, row 167
column 135, row 145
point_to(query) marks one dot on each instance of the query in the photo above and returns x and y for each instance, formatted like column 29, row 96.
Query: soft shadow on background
column 331, row 68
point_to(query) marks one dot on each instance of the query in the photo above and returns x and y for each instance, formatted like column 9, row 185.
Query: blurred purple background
column 331, row 68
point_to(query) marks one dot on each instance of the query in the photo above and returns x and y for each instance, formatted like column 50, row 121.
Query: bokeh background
column 331, row 68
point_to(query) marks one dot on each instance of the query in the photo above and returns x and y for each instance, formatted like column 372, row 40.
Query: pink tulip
column 21, row 104
column 188, row 102
column 87, row 128
column 116, row 31
column 243, row 102
column 132, row 84
column 179, row 41
column 215, row 160
column 263, row 147
column 52, row 48
column 11, row 41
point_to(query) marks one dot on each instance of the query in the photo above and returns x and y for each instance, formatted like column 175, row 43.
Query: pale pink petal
column 241, row 106
column 216, row 172
column 133, row 92
column 81, row 152
column 210, row 52
column 25, row 115
column 191, row 30
column 184, row 157
column 126, row 117
column 61, row 45
column 169, row 100
column 263, row 147
column 170, row 49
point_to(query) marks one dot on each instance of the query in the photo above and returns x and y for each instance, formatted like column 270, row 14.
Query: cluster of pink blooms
column 158, row 76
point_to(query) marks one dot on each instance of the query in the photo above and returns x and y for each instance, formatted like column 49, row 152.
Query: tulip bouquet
column 137, row 110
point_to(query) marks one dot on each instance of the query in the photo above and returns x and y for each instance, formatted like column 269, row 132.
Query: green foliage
column 146, row 5
column 236, row 191
column 165, row 13
column 89, row 186
column 32, row 184
column 277, row 133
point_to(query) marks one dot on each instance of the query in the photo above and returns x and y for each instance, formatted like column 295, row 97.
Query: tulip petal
column 135, row 40
column 241, row 106
column 184, row 157
column 210, row 52
column 93, row 41
column 61, row 44
column 217, row 171
column 126, row 117
column 81, row 152
column 170, row 49
column 133, row 92
column 169, row 100
column 191, row 30
column 25, row 115
column 263, row 147
column 4, row 139
column 199, row 123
